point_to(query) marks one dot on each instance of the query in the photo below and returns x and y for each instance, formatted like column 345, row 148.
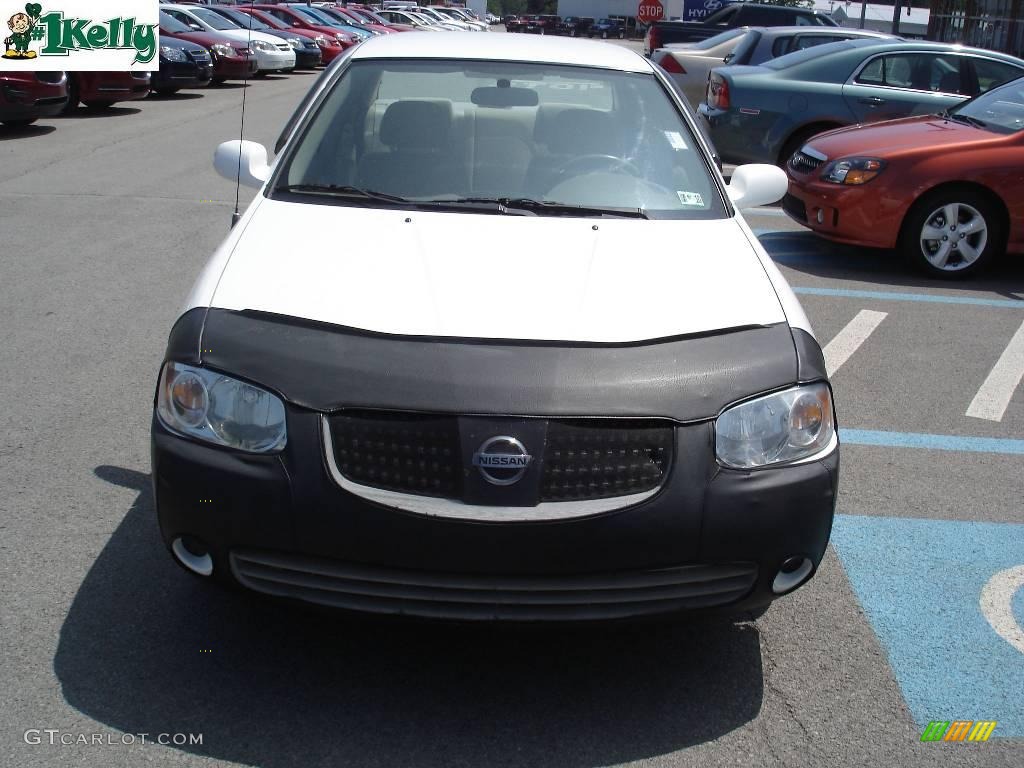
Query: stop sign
column 649, row 10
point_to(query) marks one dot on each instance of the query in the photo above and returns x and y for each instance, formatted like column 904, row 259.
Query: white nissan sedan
column 549, row 373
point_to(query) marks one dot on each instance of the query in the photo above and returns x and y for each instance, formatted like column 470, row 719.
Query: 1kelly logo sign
column 79, row 35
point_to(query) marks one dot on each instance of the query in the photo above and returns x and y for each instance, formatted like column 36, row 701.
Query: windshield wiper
column 961, row 118
column 549, row 207
column 340, row 190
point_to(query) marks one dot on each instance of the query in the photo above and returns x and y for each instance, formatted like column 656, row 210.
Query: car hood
column 923, row 133
column 468, row 275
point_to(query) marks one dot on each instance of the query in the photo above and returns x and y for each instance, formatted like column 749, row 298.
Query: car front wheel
column 952, row 233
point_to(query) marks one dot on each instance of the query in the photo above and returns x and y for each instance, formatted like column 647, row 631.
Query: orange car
column 946, row 189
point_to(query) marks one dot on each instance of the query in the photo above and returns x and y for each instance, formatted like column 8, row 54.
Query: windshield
column 171, row 25
column 439, row 131
column 213, row 18
column 244, row 19
column 1000, row 110
column 322, row 18
column 310, row 17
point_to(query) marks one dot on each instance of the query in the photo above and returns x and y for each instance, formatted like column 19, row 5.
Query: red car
column 100, row 90
column 231, row 59
column 946, row 189
column 329, row 46
column 27, row 96
column 298, row 20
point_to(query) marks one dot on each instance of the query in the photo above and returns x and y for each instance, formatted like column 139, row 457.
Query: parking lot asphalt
column 106, row 220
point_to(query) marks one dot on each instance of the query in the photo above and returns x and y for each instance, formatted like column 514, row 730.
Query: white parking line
column 847, row 341
column 1004, row 378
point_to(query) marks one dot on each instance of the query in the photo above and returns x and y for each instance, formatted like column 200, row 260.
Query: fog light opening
column 192, row 554
column 793, row 572
column 821, row 216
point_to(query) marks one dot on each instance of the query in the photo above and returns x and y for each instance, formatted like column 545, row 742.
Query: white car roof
column 542, row 49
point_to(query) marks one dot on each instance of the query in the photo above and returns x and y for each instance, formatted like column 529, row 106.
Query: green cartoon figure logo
column 21, row 26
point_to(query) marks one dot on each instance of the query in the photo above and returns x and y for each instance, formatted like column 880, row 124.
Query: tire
column 72, row 105
column 967, row 243
column 166, row 91
column 19, row 123
column 218, row 80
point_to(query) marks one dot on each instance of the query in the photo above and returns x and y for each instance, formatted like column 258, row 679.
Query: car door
column 899, row 84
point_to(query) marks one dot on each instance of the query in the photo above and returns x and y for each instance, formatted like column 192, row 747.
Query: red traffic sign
column 649, row 10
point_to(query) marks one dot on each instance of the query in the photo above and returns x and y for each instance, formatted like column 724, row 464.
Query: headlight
column 774, row 429
column 853, row 170
column 219, row 49
column 322, row 41
column 262, row 45
column 294, row 42
column 172, row 54
column 216, row 408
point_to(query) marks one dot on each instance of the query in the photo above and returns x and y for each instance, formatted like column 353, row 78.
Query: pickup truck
column 662, row 33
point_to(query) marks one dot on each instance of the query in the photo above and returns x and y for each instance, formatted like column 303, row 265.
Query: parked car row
column 928, row 149
column 572, row 26
column 204, row 43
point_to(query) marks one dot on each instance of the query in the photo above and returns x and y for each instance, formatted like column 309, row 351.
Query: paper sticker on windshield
column 675, row 139
column 690, row 199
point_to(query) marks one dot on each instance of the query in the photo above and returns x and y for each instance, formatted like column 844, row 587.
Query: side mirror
column 245, row 161
column 194, row 27
column 757, row 184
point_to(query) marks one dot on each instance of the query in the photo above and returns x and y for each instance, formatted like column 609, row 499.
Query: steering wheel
column 595, row 161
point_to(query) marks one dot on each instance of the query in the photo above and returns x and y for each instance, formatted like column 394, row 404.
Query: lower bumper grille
column 427, row 594
column 795, row 207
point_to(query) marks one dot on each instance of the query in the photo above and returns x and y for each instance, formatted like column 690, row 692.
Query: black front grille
column 405, row 452
column 424, row 455
column 804, row 163
column 795, row 207
column 597, row 460
column 379, row 589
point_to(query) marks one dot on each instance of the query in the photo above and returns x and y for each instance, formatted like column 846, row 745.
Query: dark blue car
column 606, row 28
column 183, row 64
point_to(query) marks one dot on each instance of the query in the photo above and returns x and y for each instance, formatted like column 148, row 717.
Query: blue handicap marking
column 920, row 583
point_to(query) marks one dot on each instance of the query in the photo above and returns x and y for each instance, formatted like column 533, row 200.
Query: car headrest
column 416, row 124
column 582, row 131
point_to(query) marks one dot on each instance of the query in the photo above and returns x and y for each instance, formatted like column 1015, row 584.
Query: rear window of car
column 439, row 131
column 796, row 58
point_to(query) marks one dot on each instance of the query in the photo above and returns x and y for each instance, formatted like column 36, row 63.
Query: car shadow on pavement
column 95, row 112
column 807, row 253
column 7, row 133
column 147, row 648
column 177, row 96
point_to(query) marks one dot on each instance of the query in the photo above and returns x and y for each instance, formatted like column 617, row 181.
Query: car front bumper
column 274, row 61
column 18, row 102
column 282, row 525
column 855, row 215
column 182, row 74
